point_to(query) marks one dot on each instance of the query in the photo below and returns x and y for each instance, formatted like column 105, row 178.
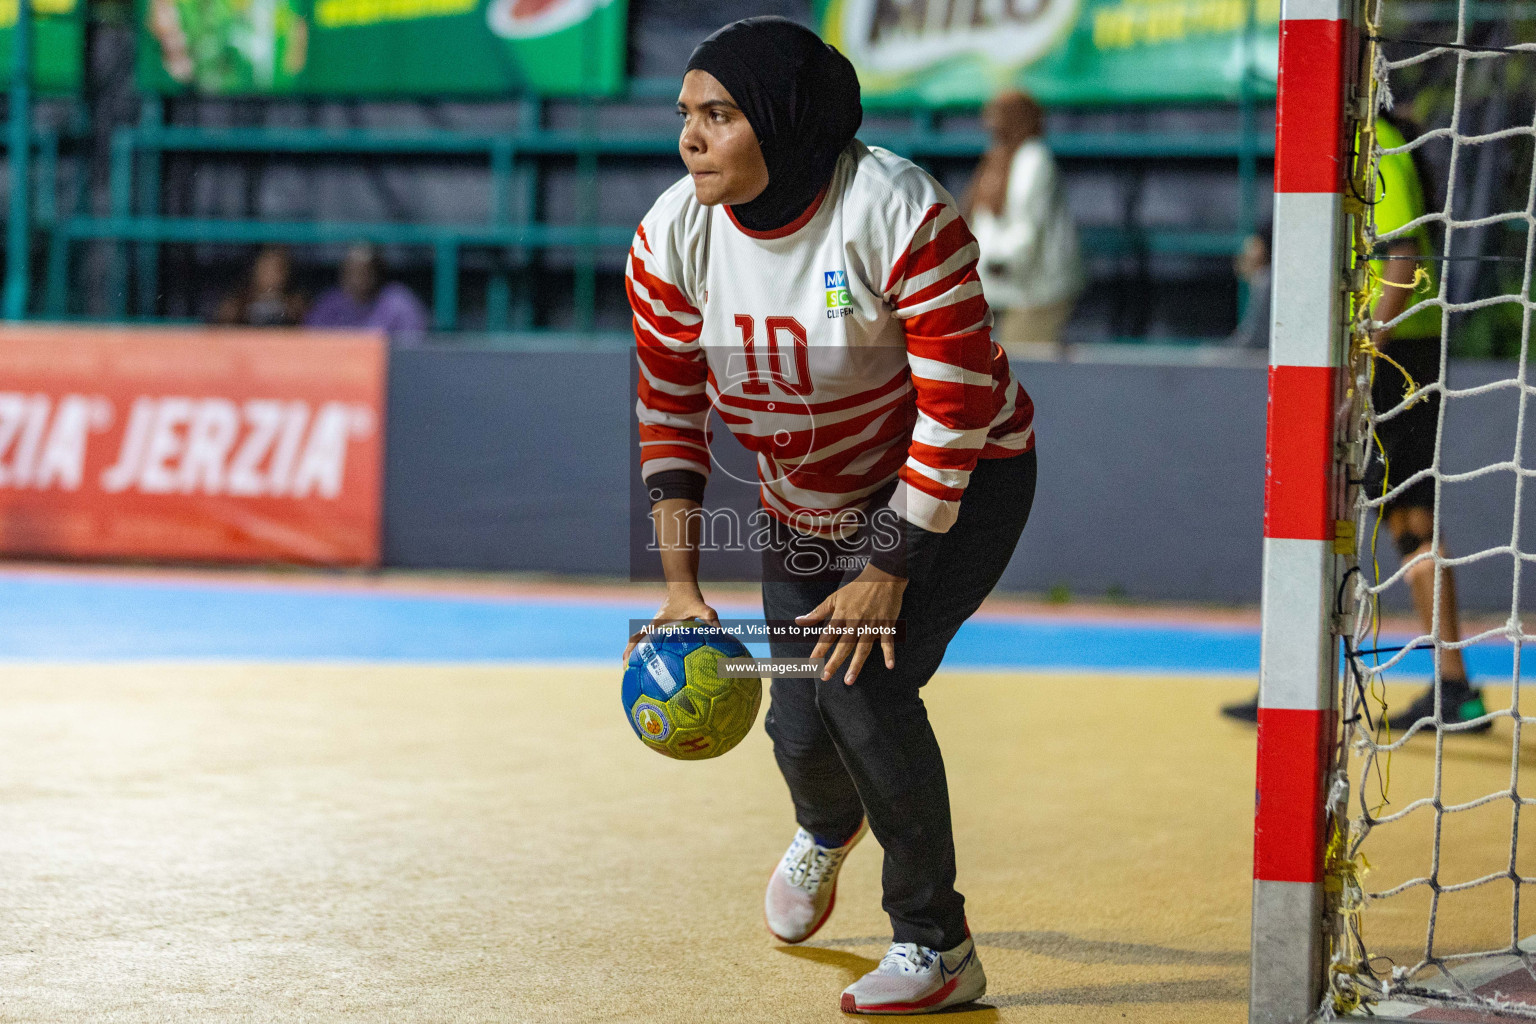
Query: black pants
column 867, row 750
column 1408, row 437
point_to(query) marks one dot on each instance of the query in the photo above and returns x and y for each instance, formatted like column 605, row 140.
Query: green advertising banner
column 1065, row 52
column 58, row 44
column 382, row 47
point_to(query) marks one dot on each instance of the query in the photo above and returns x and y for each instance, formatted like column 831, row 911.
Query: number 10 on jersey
column 758, row 382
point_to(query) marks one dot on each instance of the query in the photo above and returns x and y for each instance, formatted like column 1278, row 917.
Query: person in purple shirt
column 363, row 300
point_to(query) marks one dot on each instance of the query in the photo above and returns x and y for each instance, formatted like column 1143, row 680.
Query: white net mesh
column 1424, row 858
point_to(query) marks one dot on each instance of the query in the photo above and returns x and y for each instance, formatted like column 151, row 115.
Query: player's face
column 718, row 144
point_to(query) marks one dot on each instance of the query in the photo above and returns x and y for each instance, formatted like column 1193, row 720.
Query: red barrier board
column 213, row 444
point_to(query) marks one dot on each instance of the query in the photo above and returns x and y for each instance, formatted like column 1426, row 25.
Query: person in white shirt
column 1031, row 267
column 821, row 297
column 1251, row 265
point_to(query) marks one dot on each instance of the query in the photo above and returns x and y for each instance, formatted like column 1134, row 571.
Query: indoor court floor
column 242, row 798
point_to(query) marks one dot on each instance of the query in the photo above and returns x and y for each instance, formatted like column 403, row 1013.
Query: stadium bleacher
column 528, row 253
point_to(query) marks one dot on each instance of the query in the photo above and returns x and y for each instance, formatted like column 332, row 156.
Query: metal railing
column 513, row 234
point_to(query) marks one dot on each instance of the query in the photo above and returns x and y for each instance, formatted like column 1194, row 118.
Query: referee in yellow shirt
column 1409, row 437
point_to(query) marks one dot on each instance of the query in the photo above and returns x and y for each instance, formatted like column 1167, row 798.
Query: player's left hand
column 874, row 599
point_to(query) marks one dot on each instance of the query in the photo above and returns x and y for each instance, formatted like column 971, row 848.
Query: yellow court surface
column 303, row 842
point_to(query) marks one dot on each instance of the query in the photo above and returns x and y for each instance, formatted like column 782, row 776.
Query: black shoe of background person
column 1243, row 711
column 1461, row 702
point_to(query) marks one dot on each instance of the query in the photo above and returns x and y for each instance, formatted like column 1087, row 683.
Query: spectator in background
column 1252, row 266
column 1031, row 269
column 267, row 299
column 361, row 299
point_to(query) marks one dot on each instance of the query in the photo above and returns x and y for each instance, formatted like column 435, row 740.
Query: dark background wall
column 1151, row 474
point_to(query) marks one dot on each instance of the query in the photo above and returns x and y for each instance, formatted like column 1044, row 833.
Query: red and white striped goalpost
column 1302, row 502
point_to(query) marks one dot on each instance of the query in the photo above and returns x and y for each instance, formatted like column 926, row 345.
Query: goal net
column 1425, row 915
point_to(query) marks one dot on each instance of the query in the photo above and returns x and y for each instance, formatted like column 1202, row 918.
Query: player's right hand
column 682, row 604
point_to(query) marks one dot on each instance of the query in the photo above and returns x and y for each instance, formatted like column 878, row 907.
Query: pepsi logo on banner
column 523, row 19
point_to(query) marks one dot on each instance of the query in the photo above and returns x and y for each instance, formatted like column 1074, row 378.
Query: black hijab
column 802, row 99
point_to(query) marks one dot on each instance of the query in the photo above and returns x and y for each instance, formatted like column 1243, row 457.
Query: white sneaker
column 916, row 979
column 803, row 889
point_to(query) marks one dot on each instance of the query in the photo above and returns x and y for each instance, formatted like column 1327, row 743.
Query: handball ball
column 676, row 698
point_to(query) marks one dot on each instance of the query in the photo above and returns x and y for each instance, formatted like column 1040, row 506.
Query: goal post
column 1302, row 505
column 1437, row 931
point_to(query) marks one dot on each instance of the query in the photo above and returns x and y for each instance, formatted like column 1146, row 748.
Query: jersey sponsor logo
column 839, row 298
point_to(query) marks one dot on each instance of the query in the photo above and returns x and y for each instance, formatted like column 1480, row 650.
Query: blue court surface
column 67, row 617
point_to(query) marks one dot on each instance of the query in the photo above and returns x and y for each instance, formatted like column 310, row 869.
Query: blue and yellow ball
column 676, row 698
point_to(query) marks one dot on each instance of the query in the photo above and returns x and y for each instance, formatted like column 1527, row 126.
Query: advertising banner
column 381, row 47
column 1065, row 52
column 58, row 44
column 208, row 444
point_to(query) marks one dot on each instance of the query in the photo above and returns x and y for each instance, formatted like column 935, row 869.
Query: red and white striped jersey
column 847, row 348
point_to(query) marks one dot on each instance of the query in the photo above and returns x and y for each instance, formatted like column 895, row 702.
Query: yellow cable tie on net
column 1369, row 347
column 1420, row 282
column 1375, row 282
column 1343, row 882
column 1371, row 290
